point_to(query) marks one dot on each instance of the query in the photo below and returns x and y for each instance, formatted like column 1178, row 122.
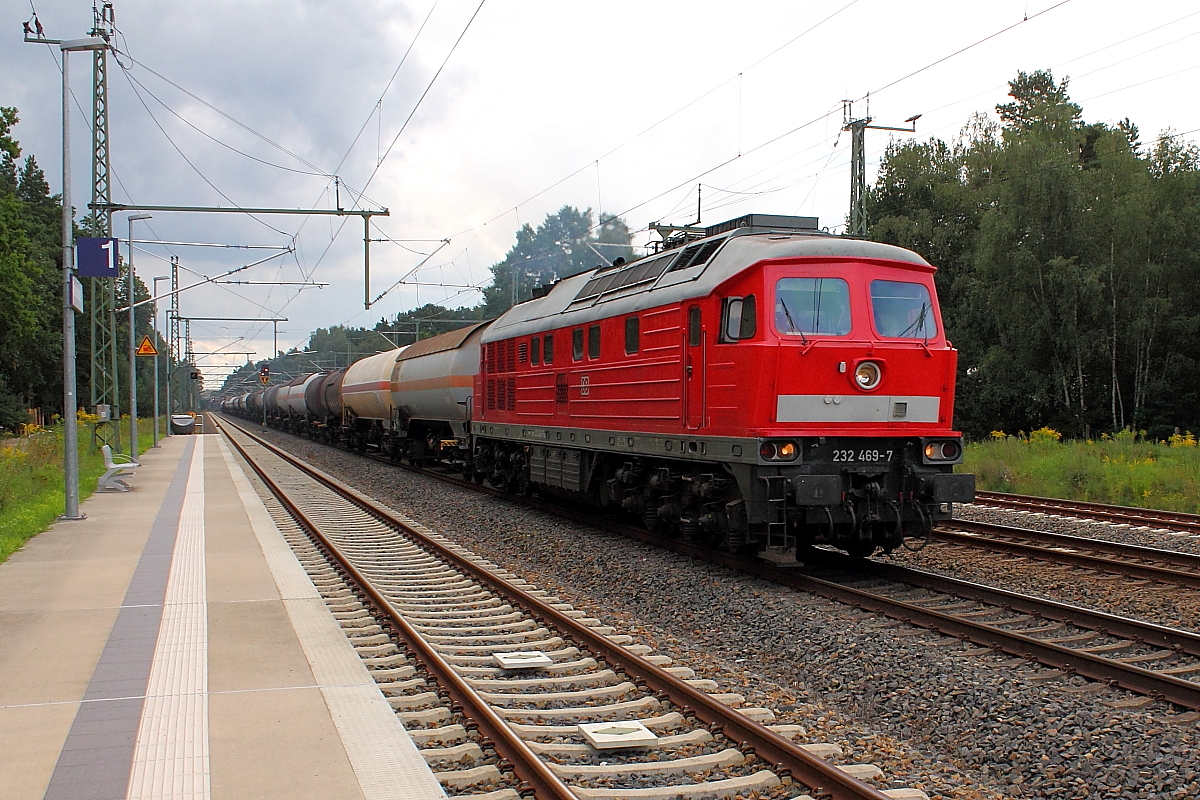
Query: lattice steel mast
column 103, row 303
column 858, row 162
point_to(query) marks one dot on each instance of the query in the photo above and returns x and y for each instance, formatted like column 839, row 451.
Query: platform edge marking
column 384, row 758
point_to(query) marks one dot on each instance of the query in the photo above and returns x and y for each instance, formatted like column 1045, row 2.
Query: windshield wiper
column 791, row 322
column 918, row 324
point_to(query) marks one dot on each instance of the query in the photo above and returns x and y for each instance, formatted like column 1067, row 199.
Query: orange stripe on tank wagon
column 372, row 386
column 451, row 381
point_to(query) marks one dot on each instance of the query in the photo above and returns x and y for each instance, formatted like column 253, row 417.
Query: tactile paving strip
column 170, row 761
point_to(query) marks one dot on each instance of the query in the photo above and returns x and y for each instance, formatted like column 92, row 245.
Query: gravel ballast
column 934, row 713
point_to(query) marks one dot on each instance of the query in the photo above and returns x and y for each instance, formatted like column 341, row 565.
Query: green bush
column 1124, row 469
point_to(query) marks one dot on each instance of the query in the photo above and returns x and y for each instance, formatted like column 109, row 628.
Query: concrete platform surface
column 171, row 646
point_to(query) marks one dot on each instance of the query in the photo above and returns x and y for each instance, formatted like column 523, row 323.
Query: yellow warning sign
column 146, row 348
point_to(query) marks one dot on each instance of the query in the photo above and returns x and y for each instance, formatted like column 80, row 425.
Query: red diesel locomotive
column 758, row 384
column 762, row 385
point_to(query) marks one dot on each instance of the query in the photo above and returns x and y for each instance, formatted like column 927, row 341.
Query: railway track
column 1135, row 561
column 1152, row 660
column 1146, row 659
column 390, row 582
column 1127, row 515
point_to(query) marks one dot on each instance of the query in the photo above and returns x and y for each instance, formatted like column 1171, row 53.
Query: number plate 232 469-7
column 862, row 456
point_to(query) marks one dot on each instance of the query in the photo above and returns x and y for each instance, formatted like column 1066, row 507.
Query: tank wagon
column 323, row 405
column 368, row 413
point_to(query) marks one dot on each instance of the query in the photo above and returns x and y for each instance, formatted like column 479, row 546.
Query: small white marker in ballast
column 612, row 735
column 529, row 659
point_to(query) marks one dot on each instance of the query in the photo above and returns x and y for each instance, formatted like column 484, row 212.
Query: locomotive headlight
column 779, row 450
column 943, row 451
column 867, row 375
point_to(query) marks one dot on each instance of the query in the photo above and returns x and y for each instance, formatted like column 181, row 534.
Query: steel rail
column 1060, row 554
column 1176, row 520
column 525, row 763
column 1128, row 676
column 1156, row 554
column 1111, row 624
column 787, row 758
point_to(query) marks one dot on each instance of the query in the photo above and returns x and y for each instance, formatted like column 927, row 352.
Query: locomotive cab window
column 593, row 341
column 577, row 344
column 548, row 349
column 535, row 351
column 633, row 331
column 740, row 318
column 812, row 306
column 902, row 310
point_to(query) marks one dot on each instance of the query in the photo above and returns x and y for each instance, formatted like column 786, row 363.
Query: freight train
column 757, row 384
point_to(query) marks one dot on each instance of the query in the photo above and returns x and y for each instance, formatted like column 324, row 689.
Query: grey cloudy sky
column 620, row 106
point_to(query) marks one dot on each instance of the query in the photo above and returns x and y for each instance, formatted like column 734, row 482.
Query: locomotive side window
column 694, row 326
column 816, row 306
column 535, row 351
column 577, row 344
column 548, row 350
column 594, row 341
column 740, row 318
column 633, row 335
column 902, row 310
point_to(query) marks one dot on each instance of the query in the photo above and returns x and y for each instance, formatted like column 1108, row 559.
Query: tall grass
column 31, row 479
column 1123, row 469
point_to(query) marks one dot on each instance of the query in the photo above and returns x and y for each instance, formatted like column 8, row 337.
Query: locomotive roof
column 678, row 275
column 451, row 340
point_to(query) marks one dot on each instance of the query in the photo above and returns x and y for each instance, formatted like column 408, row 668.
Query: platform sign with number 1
column 96, row 258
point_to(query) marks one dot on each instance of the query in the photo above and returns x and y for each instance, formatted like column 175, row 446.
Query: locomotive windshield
column 812, row 306
column 902, row 310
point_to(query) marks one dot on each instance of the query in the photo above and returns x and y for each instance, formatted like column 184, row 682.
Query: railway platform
column 171, row 646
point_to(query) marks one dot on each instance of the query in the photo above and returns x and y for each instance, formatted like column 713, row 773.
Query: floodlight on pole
column 133, row 409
